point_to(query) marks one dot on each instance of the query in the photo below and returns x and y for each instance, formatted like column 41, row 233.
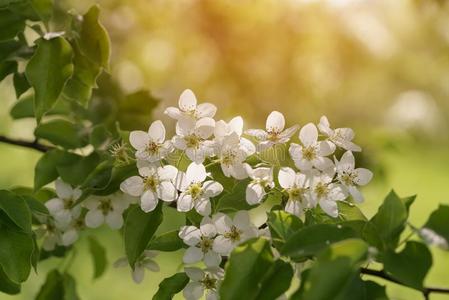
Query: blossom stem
column 26, row 144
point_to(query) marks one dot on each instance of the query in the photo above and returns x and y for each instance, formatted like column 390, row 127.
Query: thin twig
column 26, row 144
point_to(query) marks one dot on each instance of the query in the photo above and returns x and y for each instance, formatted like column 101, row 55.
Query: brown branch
column 26, row 144
column 382, row 274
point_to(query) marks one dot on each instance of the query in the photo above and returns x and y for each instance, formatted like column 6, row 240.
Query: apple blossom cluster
column 318, row 172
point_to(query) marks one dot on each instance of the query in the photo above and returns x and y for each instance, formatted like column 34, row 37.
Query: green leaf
column 15, row 252
column 350, row 212
column 335, row 269
column 411, row 265
column 62, row 133
column 10, row 24
column 21, row 84
column 118, row 175
column 310, row 240
column 24, row 108
column 43, row 8
column 235, row 200
column 170, row 286
column 6, row 68
column 276, row 281
column 139, row 229
column 438, row 223
column 58, row 286
column 46, row 171
column 135, row 110
column 98, row 254
column 47, row 72
column 168, row 241
column 94, row 39
column 75, row 173
column 282, row 226
column 389, row 222
column 16, row 209
column 6, row 285
column 100, row 177
column 246, row 269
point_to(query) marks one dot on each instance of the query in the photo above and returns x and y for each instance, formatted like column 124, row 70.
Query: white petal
column 257, row 133
column 242, row 220
column 94, row 218
column 114, row 220
column 337, row 192
column 69, row 237
column 294, row 207
column 173, row 112
column 132, row 186
column 54, row 205
column 203, row 206
column 167, row 172
column 329, row 207
column 92, row 202
column 205, row 110
column 63, row 190
column 148, row 201
column 205, row 127
column 254, row 193
column 179, row 142
column 323, row 163
column 212, row 188
column 157, row 132
column 275, row 122
column 222, row 245
column 356, row 194
column 167, row 191
column 195, row 274
column 363, row 176
column 212, row 259
column 147, row 171
column 121, row 262
column 347, row 162
column 190, row 235
column 325, row 148
column 151, row 265
column 308, row 134
column 207, row 227
column 196, row 173
column 193, row 291
column 138, row 274
column 287, row 133
column 286, row 177
column 192, row 255
column 187, row 100
column 236, row 125
column 139, row 139
column 222, row 222
column 211, row 295
column 303, row 164
column 185, row 202
column 324, row 126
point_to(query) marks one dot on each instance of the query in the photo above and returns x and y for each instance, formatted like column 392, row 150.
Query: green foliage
column 62, row 133
column 438, row 222
column 171, row 286
column 47, row 72
column 10, row 25
column 98, row 254
column 58, row 287
column 276, row 281
column 139, row 229
column 168, row 241
column 282, row 226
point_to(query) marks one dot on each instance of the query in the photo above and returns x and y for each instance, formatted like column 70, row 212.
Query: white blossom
column 200, row 241
column 203, row 281
column 63, row 207
column 274, row 133
column 151, row 145
column 433, row 238
column 49, row 232
column 189, row 109
column 152, row 184
column 325, row 193
column 261, row 178
column 341, row 137
column 350, row 177
column 195, row 191
column 297, row 186
column 232, row 232
column 145, row 261
column 106, row 209
column 192, row 137
column 311, row 153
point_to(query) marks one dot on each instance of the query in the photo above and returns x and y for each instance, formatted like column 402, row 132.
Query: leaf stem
column 26, row 144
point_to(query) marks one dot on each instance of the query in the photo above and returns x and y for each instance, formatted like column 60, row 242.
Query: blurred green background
column 381, row 67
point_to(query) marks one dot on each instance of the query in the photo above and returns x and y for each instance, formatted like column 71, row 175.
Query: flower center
column 228, row 158
column 195, row 190
column 150, row 183
column 209, row 282
column 347, row 178
column 309, row 153
column 273, row 135
column 233, row 234
column 321, row 190
column 105, row 206
column 206, row 244
column 68, row 203
column 295, row 193
column 192, row 141
column 153, row 148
